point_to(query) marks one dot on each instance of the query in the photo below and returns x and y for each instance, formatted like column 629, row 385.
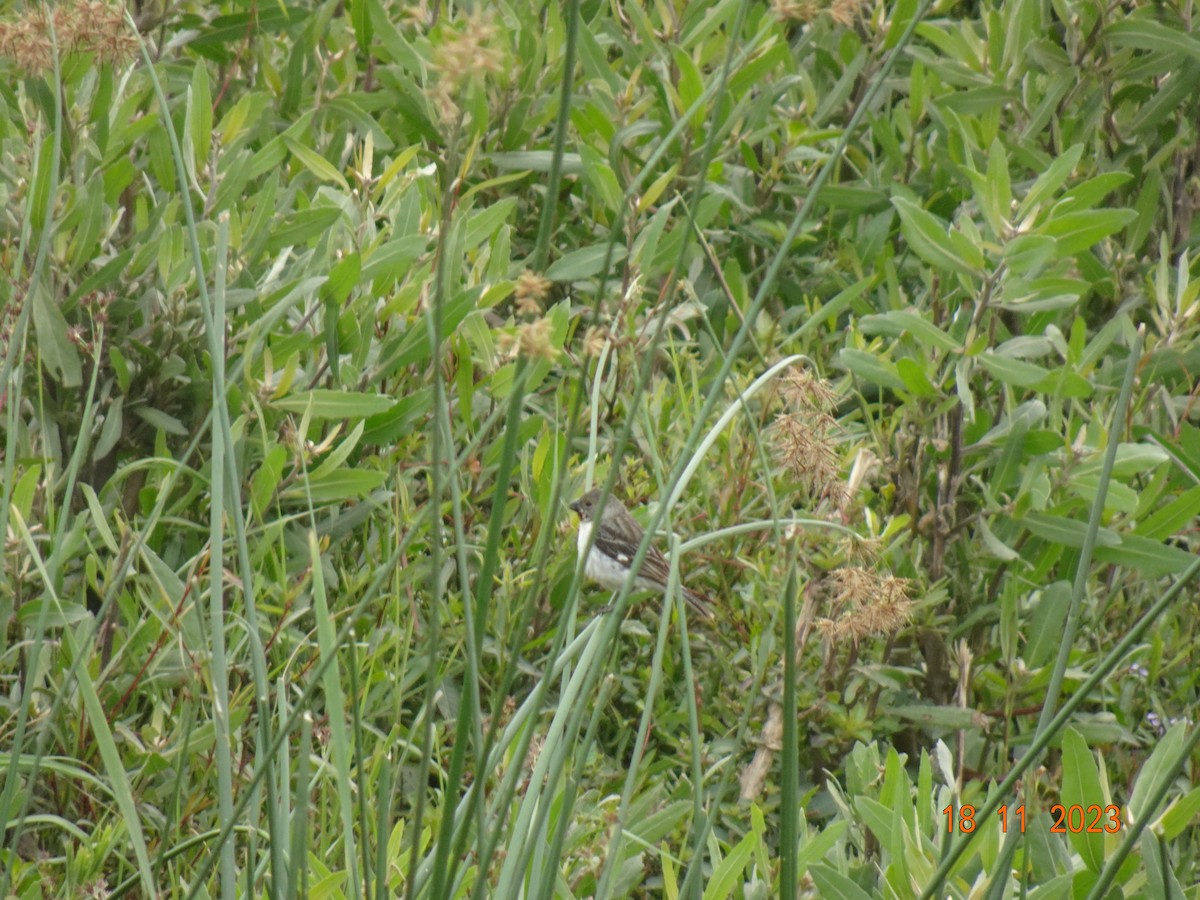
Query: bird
column 615, row 545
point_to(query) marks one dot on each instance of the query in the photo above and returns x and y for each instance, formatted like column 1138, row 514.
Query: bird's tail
column 700, row 603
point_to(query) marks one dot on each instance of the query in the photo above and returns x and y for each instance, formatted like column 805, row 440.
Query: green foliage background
column 290, row 601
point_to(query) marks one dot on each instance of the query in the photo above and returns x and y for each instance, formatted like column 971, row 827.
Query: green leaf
column 199, row 115
column 1186, row 450
column 995, row 197
column 1081, row 790
column 299, row 227
column 109, row 273
column 853, row 198
column 489, row 185
column 161, row 420
column 949, row 718
column 1051, row 180
column 1016, row 451
column 690, row 85
column 360, row 17
column 1045, row 629
column 1119, row 497
column 392, row 43
column 537, row 161
column 901, row 15
column 55, row 347
column 1130, row 459
column 1181, row 813
column 601, row 179
column 881, row 820
column 39, row 198
column 111, row 430
column 583, row 263
column 727, row 876
column 1028, row 254
column 1171, row 518
column 337, row 487
column 1068, row 532
column 1146, row 556
column 915, row 379
column 114, row 768
column 1040, row 294
column 267, row 158
column 265, row 481
column 244, row 26
column 93, row 216
column 651, row 194
column 342, row 278
column 872, row 367
column 484, row 224
column 393, row 259
column 247, row 109
column 1066, row 383
column 329, row 404
column 413, row 346
column 322, row 168
column 977, row 101
column 899, row 321
column 1079, row 231
column 1013, row 371
column 1085, row 196
column 57, row 614
column 931, row 240
column 120, row 369
column 656, row 825
column 1146, row 34
column 338, row 455
column 994, row 546
column 1155, row 771
column 833, row 885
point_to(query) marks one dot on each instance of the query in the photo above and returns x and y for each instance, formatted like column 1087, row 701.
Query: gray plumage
column 615, row 545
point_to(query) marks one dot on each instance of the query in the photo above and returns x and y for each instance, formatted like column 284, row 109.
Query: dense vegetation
column 881, row 317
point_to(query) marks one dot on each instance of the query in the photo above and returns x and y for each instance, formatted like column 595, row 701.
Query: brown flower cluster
column 531, row 291
column 844, row 12
column 594, row 339
column 863, row 603
column 79, row 27
column 803, row 436
column 464, row 55
column 532, row 340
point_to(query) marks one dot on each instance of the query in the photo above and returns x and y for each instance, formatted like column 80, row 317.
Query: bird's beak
column 573, row 506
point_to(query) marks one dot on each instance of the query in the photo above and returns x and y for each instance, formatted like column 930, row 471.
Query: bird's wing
column 655, row 568
column 623, row 547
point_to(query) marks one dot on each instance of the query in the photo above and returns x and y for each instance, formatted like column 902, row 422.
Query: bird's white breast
column 599, row 567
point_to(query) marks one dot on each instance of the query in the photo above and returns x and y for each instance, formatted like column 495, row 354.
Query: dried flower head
column 416, row 13
column 532, row 340
column 594, row 340
column 860, row 550
column 863, row 604
column 27, row 41
column 532, row 289
column 803, row 436
column 796, row 10
column 844, row 12
column 803, row 391
column 809, row 454
column 466, row 54
column 79, row 27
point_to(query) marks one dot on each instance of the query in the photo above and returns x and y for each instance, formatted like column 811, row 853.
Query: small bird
column 615, row 545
